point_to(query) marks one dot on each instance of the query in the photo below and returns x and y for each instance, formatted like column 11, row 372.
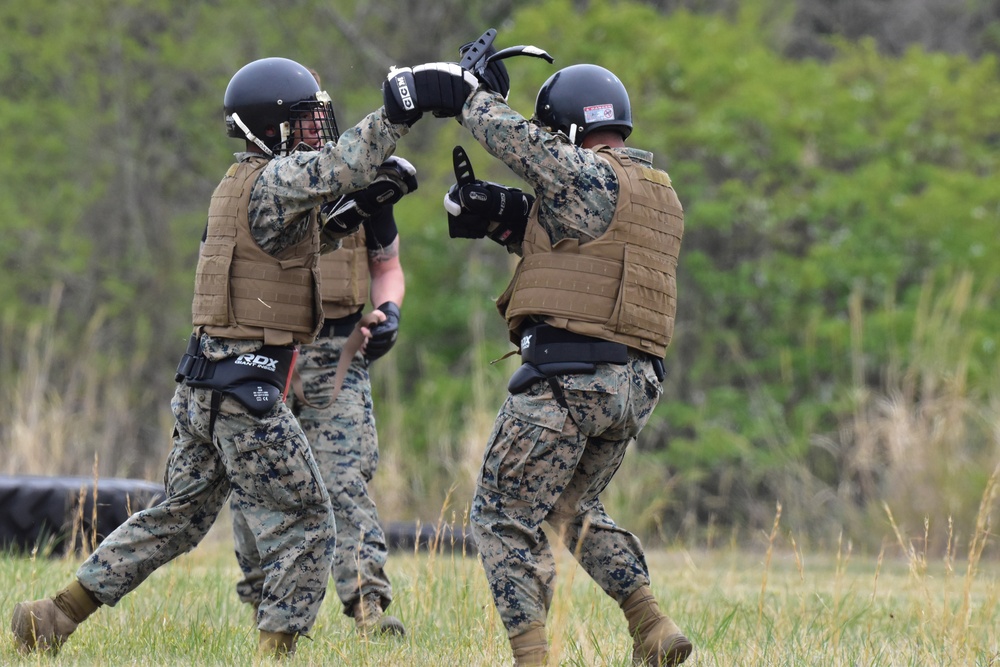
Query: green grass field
column 767, row 607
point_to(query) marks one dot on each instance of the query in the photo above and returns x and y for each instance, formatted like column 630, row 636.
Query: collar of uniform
column 645, row 158
column 247, row 155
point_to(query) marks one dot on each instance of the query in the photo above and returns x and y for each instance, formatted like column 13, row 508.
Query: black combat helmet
column 581, row 98
column 265, row 100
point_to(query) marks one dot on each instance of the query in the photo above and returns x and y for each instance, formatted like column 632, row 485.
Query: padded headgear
column 579, row 99
column 266, row 97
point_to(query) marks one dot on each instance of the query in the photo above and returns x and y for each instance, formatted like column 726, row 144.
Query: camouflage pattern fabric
column 267, row 464
column 576, row 192
column 345, row 445
column 288, row 188
column 544, row 463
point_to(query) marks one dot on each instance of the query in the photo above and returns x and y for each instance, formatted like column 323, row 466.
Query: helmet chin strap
column 286, row 134
column 572, row 133
column 250, row 135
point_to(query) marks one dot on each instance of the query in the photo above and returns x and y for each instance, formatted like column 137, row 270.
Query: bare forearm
column 388, row 282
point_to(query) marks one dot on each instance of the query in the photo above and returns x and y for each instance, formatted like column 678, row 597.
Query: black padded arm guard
column 395, row 178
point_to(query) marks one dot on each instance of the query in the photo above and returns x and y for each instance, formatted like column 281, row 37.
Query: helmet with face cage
column 268, row 100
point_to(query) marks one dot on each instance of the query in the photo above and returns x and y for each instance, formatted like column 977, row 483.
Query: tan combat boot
column 657, row 640
column 45, row 624
column 531, row 648
column 370, row 618
column 276, row 644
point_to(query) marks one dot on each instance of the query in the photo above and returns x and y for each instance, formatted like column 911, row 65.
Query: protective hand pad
column 394, row 178
column 400, row 170
column 492, row 74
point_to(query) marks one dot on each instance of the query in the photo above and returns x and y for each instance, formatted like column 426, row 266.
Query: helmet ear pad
column 579, row 99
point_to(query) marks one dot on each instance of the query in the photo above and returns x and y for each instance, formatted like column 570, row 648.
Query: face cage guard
column 319, row 113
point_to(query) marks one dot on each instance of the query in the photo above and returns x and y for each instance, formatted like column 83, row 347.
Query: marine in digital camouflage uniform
column 591, row 306
column 256, row 296
column 342, row 432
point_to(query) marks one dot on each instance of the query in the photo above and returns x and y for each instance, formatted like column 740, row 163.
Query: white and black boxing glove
column 440, row 88
column 480, row 209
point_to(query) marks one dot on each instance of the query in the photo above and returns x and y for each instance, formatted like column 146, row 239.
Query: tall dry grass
column 779, row 605
column 921, row 441
column 925, row 441
column 66, row 402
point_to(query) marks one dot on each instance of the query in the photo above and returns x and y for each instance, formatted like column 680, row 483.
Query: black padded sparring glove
column 394, row 178
column 482, row 208
column 493, row 75
column 479, row 208
column 383, row 334
column 441, row 88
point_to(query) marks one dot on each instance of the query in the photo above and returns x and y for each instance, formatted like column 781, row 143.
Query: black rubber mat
column 47, row 513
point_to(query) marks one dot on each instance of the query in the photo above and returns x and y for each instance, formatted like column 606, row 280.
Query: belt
column 544, row 344
column 339, row 327
column 256, row 379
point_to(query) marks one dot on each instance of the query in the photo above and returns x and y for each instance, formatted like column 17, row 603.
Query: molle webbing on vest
column 652, row 230
column 270, row 296
column 344, row 277
column 567, row 285
column 620, row 286
column 242, row 292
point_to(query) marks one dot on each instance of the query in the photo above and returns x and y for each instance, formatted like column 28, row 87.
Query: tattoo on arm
column 384, row 253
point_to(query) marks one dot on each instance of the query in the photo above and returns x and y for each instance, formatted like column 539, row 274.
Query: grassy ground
column 739, row 608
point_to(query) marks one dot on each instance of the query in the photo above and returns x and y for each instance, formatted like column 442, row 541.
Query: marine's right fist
column 441, row 88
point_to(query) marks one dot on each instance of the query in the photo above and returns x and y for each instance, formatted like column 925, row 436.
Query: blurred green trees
column 836, row 344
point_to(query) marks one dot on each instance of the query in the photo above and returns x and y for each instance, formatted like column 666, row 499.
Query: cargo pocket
column 278, row 468
column 524, row 433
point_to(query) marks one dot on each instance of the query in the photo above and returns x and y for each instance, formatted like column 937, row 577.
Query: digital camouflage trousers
column 549, row 462
column 345, row 445
column 267, row 466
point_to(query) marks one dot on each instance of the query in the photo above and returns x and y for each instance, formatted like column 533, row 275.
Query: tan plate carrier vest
column 620, row 286
column 345, row 278
column 241, row 291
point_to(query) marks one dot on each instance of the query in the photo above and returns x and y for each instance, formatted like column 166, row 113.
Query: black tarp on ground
column 446, row 538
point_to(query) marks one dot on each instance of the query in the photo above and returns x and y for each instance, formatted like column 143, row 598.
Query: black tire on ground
column 56, row 514
column 411, row 536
